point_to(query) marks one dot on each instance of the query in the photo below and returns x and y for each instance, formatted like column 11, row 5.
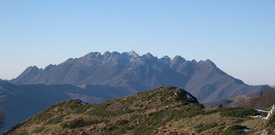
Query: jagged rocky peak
column 49, row 67
column 133, row 54
column 107, row 53
column 178, row 59
column 165, row 60
column 148, row 55
column 194, row 61
column 92, row 55
column 111, row 56
column 115, row 55
column 29, row 72
column 32, row 68
column 209, row 62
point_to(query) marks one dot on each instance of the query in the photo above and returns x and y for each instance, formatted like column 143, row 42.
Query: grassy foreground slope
column 164, row 110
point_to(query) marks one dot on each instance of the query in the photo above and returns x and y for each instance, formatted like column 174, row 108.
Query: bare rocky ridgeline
column 135, row 73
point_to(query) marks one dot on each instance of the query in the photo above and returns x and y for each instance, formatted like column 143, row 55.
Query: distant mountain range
column 19, row 102
column 135, row 73
column 97, row 77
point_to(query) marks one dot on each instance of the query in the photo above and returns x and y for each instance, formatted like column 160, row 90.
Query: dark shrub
column 271, row 122
column 201, row 128
column 237, row 112
column 235, row 130
column 74, row 123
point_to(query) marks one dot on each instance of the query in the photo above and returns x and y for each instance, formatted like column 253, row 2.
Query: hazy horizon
column 238, row 36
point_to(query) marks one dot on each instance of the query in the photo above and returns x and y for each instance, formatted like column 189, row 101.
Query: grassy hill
column 164, row 110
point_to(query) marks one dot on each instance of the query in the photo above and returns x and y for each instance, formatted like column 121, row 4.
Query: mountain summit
column 136, row 73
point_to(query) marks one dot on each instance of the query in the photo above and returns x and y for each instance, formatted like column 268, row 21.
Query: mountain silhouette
column 135, row 73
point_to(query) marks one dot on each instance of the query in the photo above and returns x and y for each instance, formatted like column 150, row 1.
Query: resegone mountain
column 136, row 73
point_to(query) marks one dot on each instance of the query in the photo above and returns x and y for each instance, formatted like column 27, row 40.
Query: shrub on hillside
column 55, row 120
column 1, row 119
column 235, row 130
column 271, row 122
column 79, row 122
column 237, row 112
column 76, row 123
column 201, row 128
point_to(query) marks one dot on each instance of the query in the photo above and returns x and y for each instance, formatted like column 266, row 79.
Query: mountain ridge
column 138, row 73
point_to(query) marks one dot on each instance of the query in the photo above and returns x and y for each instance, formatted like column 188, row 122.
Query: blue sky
column 238, row 35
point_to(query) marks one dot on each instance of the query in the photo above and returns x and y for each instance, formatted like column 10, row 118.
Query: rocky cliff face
column 138, row 73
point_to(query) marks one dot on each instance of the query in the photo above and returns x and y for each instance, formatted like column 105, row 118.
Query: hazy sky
column 238, row 35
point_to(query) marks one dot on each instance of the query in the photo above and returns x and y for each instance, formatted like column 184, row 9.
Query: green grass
column 208, row 112
column 76, row 123
column 162, row 111
column 143, row 130
column 55, row 120
column 201, row 128
column 237, row 112
column 79, row 122
column 38, row 130
column 271, row 122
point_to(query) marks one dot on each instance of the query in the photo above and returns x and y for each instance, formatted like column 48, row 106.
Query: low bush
column 38, row 130
column 208, row 112
column 79, row 122
column 237, row 112
column 55, row 120
column 271, row 122
column 235, row 130
column 74, row 123
column 201, row 128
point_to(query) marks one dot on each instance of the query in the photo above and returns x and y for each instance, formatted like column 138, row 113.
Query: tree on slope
column 1, row 119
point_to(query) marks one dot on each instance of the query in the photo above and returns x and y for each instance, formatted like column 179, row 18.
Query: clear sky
column 237, row 35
